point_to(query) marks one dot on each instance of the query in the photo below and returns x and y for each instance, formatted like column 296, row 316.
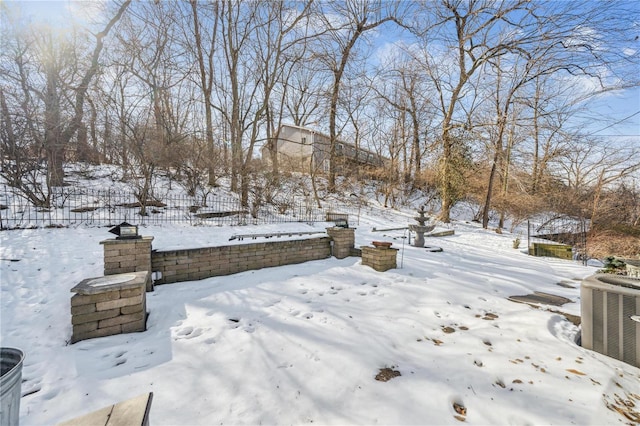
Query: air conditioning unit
column 610, row 308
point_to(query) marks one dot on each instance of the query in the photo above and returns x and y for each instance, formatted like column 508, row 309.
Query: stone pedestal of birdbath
column 380, row 257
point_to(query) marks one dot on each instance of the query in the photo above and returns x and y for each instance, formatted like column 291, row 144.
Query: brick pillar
column 380, row 259
column 105, row 306
column 122, row 256
column 343, row 241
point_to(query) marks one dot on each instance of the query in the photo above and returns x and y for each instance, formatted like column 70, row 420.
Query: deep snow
column 303, row 343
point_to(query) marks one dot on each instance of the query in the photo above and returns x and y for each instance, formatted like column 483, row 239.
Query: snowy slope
column 303, row 344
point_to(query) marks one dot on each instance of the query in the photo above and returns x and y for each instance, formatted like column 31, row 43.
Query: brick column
column 122, row 256
column 380, row 259
column 343, row 241
column 110, row 305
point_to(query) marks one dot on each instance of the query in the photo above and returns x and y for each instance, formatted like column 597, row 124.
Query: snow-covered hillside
column 304, row 343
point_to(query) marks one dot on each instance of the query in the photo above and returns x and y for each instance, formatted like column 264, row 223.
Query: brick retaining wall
column 200, row 263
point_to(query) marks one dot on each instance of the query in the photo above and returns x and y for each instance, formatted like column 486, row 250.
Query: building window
column 304, row 141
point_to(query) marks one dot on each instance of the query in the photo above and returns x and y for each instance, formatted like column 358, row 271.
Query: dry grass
column 610, row 243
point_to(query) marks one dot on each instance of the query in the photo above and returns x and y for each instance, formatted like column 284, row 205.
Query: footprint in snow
column 30, row 390
column 185, row 331
column 30, row 385
column 51, row 394
column 189, row 333
column 270, row 303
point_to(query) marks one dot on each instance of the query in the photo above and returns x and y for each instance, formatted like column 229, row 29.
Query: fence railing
column 75, row 206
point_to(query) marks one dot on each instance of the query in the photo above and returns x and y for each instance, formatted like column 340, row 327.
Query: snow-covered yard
column 304, row 343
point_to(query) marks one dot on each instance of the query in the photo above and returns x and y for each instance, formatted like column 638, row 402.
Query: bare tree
column 593, row 164
column 257, row 46
column 477, row 32
column 148, row 51
column 402, row 85
column 508, row 81
column 346, row 22
column 205, row 58
column 304, row 99
column 283, row 45
column 54, row 81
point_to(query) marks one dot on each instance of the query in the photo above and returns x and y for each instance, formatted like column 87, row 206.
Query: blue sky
column 613, row 115
column 617, row 114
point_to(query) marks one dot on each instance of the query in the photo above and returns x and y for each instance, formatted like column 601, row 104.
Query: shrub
column 612, row 265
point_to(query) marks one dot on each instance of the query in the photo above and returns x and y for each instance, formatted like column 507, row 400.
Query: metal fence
column 77, row 206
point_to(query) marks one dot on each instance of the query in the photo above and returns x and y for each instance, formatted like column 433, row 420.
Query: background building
column 305, row 150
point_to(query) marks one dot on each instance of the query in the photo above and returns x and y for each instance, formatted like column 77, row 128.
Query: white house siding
column 297, row 146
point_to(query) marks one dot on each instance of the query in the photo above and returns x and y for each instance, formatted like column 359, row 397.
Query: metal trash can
column 10, row 385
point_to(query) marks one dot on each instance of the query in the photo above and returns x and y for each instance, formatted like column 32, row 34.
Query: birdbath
column 421, row 228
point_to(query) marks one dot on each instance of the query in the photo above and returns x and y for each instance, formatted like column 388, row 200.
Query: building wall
column 294, row 148
column 298, row 146
column 291, row 144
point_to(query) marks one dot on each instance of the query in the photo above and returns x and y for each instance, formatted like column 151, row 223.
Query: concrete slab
column 540, row 298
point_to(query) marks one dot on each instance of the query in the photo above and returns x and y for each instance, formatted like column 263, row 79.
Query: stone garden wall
column 200, row 263
column 170, row 266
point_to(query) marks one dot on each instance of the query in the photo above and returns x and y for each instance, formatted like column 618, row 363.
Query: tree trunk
column 54, row 144
column 487, row 202
column 332, row 132
column 82, row 146
column 445, row 174
column 206, row 82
